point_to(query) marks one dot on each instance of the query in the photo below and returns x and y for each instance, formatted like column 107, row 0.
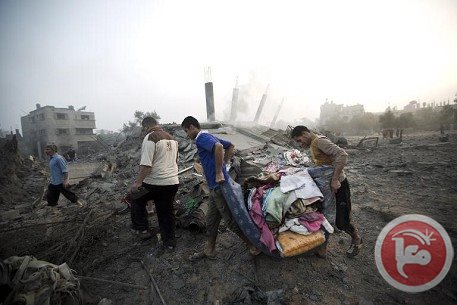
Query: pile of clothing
column 286, row 206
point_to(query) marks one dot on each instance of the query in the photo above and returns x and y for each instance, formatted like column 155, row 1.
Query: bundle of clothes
column 286, row 206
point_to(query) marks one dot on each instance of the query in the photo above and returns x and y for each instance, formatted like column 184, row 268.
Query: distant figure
column 397, row 132
column 399, row 139
column 443, row 137
column 70, row 155
column 59, row 178
column 387, row 133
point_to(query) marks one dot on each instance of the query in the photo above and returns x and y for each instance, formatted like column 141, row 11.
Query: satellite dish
column 82, row 108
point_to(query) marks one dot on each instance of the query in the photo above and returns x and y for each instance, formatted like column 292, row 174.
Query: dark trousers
column 54, row 193
column 343, row 209
column 163, row 196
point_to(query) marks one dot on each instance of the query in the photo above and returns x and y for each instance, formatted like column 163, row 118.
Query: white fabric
column 251, row 194
column 300, row 185
column 292, row 182
column 294, row 225
column 162, row 158
column 295, row 157
column 328, row 227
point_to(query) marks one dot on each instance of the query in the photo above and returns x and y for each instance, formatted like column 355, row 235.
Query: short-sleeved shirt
column 205, row 144
column 58, row 168
column 160, row 152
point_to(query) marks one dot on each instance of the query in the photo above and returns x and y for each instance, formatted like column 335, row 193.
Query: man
column 59, row 178
column 214, row 153
column 157, row 180
column 70, row 155
column 324, row 152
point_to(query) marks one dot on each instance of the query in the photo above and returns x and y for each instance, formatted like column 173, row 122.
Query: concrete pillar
column 39, row 148
column 209, row 93
column 262, row 103
column 273, row 123
column 234, row 102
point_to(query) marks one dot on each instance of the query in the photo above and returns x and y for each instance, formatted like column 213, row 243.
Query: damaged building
column 65, row 127
column 330, row 111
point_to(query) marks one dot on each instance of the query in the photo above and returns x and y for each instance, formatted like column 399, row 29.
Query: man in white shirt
column 157, row 180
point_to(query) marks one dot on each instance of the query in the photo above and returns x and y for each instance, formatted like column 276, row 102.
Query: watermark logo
column 413, row 253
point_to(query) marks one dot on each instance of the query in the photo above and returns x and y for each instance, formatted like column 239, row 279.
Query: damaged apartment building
column 331, row 111
column 65, row 127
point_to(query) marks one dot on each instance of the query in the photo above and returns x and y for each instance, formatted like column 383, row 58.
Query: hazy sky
column 116, row 57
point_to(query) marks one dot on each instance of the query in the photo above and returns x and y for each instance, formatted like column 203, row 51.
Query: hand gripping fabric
column 233, row 194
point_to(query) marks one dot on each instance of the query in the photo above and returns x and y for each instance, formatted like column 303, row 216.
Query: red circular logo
column 413, row 253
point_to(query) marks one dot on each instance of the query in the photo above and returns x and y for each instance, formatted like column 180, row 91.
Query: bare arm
column 65, row 180
column 228, row 154
column 147, row 156
column 144, row 171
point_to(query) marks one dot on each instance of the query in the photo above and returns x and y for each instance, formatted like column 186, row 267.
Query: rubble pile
column 10, row 164
column 110, row 260
column 14, row 173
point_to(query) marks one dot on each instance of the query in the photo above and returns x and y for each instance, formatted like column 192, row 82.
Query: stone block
column 10, row 215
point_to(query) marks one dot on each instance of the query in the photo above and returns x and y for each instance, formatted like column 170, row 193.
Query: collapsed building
column 331, row 111
column 65, row 127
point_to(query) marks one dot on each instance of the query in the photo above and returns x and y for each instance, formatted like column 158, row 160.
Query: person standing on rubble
column 70, row 155
column 59, row 178
column 157, row 180
column 324, row 152
column 214, row 153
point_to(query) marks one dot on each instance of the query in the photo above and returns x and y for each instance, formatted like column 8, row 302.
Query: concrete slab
column 10, row 215
column 240, row 141
column 80, row 170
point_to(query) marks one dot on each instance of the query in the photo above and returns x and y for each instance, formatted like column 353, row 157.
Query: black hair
column 298, row 131
column 51, row 146
column 149, row 121
column 190, row 120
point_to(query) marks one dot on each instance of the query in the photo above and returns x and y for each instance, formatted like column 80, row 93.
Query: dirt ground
column 418, row 176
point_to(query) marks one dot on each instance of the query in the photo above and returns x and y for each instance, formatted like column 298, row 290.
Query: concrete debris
column 30, row 281
column 102, row 246
column 11, row 215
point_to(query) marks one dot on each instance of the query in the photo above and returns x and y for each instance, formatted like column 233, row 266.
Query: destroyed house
column 64, row 127
column 330, row 111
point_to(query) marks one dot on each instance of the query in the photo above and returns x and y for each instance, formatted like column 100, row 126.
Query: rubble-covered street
column 112, row 263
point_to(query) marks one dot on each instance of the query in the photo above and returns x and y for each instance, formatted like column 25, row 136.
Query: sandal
column 354, row 249
column 201, row 255
column 254, row 251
